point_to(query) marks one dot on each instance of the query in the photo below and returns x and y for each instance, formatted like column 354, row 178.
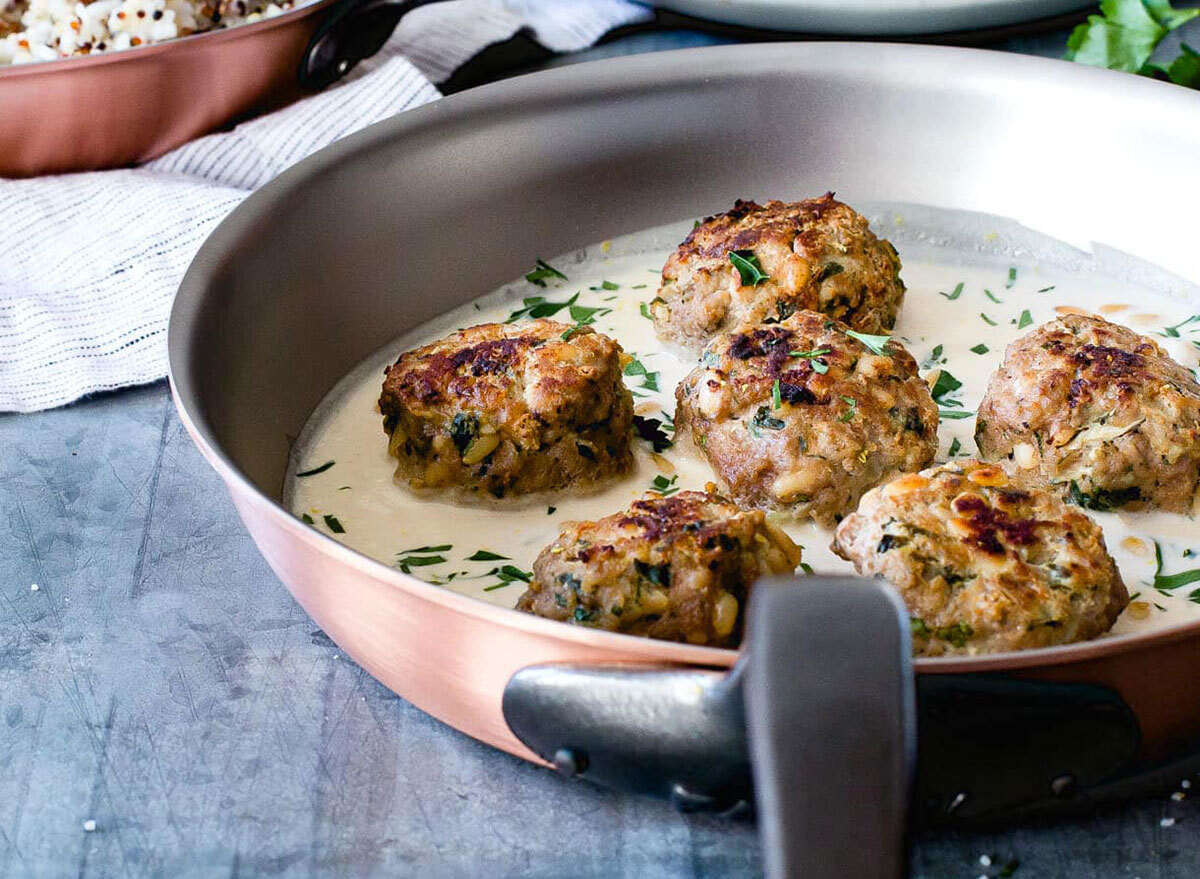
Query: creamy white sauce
column 385, row 521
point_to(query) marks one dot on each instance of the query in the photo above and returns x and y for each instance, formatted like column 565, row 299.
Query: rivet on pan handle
column 831, row 716
column 352, row 31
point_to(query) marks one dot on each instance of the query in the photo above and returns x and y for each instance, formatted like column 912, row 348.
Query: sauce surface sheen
column 962, row 308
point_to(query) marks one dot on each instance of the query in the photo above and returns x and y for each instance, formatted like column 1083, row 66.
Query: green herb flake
column 1012, row 278
column 763, row 420
column 813, row 357
column 606, row 285
column 851, row 412
column 987, row 320
column 1103, row 500
column 306, row 519
column 663, row 486
column 1046, row 289
column 314, row 471
column 1172, row 331
column 1125, row 35
column 444, row 547
column 550, row 510
column 955, row 293
column 776, row 402
column 332, row 523
column 992, row 296
column 1024, row 320
column 945, row 384
column 748, row 267
column 538, row 306
column 1171, row 581
column 541, row 271
column 980, row 349
column 934, row 358
column 919, row 627
column 660, row 434
column 638, row 287
column 877, row 344
column 484, row 555
column 955, row 414
column 955, row 447
column 957, row 634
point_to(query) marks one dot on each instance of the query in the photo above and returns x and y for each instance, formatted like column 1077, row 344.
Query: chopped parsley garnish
column 877, row 344
column 1172, row 331
column 748, row 267
column 649, row 378
column 992, row 296
column 314, row 471
column 776, row 402
column 332, row 523
column 813, row 357
column 418, row 561
column 980, row 349
column 1046, row 289
column 550, row 510
column 1012, row 277
column 659, row 575
column 806, row 568
column 957, row 634
column 1024, row 320
column 935, row 357
column 539, row 306
column 541, row 271
column 945, row 384
column 987, row 320
column 483, row 555
column 638, row 287
column 955, row 414
column 1103, row 500
column 660, row 434
column 958, row 288
column 663, row 486
column 955, row 447
column 1171, row 581
column 445, row 547
column 306, row 519
column 507, row 574
column 763, row 420
column 606, row 285
column 851, row 412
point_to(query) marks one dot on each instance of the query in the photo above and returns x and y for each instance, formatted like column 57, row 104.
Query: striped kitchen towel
column 91, row 261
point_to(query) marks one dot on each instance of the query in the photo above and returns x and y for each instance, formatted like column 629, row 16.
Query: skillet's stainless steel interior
column 421, row 213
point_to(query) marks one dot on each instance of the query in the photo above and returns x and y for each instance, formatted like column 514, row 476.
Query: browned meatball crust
column 507, row 409
column 1097, row 412
column 817, row 254
column 677, row 568
column 802, row 417
column 985, row 564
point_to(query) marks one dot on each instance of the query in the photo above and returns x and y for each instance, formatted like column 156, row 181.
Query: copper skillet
column 122, row 108
column 390, row 227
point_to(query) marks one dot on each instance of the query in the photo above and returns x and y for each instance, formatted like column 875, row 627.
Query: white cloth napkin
column 89, row 263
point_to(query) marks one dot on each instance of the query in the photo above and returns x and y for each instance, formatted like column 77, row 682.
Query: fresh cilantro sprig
column 1125, row 34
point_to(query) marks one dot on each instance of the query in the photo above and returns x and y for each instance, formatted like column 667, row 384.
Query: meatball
column 677, row 568
column 1097, row 412
column 803, row 417
column 984, row 563
column 763, row 262
column 507, row 409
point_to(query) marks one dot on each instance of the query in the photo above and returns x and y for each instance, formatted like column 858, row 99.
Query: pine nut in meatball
column 509, row 409
column 677, row 568
column 758, row 262
column 1098, row 413
column 984, row 562
column 805, row 415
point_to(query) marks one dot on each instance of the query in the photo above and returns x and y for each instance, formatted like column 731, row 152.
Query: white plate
column 874, row 17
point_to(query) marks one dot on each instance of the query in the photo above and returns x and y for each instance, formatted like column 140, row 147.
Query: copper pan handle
column 352, row 31
column 817, row 724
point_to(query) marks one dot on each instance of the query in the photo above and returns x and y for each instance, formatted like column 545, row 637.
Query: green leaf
column 992, row 296
column 980, row 349
column 945, row 384
column 748, row 267
column 955, row 447
column 1125, row 34
column 314, row 471
column 444, row 547
column 306, row 519
column 1171, row 581
column 987, row 320
column 654, row 432
column 332, row 523
column 1024, row 320
column 665, row 487
column 483, row 555
column 1185, row 70
column 776, row 402
column 1168, row 16
column 851, row 412
column 1012, row 277
column 955, row 294
column 541, row 271
column 955, row 414
column 877, row 344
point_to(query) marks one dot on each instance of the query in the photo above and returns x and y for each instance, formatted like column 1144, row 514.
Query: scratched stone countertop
column 167, row 709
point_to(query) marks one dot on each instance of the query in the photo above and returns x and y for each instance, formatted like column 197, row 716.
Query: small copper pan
column 418, row 214
column 122, row 108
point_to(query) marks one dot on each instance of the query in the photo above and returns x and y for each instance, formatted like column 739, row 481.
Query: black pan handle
column 352, row 31
column 832, row 722
column 990, row 747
